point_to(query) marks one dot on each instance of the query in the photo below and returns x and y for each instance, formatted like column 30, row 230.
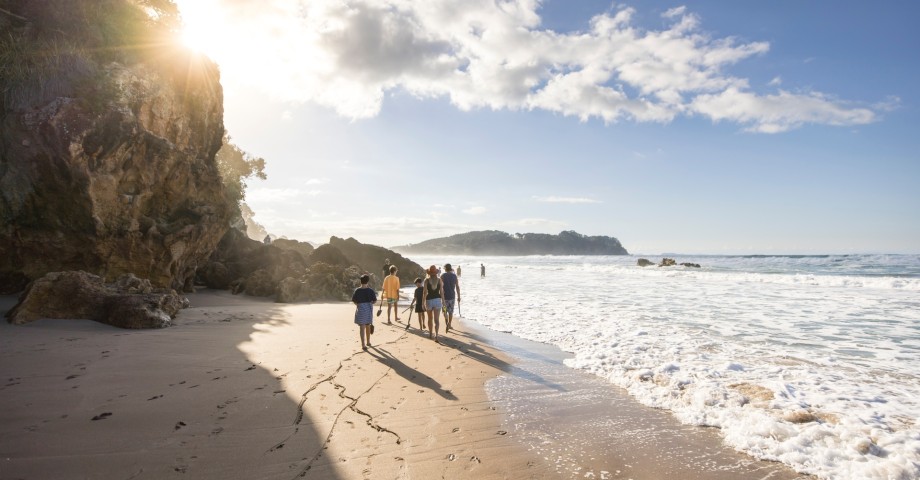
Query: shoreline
column 551, row 406
column 241, row 387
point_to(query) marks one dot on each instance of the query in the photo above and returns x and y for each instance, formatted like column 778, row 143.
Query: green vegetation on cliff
column 494, row 242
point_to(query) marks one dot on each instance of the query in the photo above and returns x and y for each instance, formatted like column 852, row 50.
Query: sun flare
column 198, row 39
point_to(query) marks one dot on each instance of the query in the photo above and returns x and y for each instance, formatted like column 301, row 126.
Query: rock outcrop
column 665, row 262
column 114, row 173
column 370, row 258
column 129, row 302
column 280, row 270
column 246, row 265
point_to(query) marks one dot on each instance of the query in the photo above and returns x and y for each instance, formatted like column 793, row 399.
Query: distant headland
column 494, row 242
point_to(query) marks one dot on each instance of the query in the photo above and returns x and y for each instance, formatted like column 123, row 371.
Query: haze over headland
column 710, row 128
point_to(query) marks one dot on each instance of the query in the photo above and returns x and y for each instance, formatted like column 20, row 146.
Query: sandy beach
column 245, row 388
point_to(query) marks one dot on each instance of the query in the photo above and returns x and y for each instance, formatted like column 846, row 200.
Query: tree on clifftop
column 236, row 166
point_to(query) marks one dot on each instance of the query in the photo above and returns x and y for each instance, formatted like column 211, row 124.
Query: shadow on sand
column 86, row 400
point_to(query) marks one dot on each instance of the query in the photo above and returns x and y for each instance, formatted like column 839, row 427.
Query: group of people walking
column 435, row 293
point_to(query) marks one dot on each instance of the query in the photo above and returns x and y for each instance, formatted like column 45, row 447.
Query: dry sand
column 242, row 388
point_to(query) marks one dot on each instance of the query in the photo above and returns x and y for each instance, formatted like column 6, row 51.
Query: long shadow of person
column 409, row 373
column 471, row 349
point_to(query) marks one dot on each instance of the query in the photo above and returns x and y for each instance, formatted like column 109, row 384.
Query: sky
column 705, row 127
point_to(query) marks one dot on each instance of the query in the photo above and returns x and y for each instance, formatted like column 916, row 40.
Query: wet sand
column 244, row 388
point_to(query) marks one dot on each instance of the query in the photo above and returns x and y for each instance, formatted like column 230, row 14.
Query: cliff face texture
column 123, row 182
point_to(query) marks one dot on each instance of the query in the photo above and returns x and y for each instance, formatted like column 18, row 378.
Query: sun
column 204, row 30
column 198, row 39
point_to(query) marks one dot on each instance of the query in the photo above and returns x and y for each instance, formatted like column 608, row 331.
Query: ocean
column 812, row 361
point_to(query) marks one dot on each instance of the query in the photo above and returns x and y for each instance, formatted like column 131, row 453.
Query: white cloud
column 487, row 54
column 475, row 210
column 555, row 199
column 675, row 12
column 777, row 81
column 316, row 181
column 780, row 112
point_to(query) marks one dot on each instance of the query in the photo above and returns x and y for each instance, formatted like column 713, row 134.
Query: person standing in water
column 482, row 270
column 451, row 294
column 432, row 297
column 458, row 270
column 364, row 299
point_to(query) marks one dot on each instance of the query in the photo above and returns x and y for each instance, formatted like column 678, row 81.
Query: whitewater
column 807, row 360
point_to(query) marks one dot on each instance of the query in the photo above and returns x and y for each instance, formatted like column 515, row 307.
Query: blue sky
column 715, row 127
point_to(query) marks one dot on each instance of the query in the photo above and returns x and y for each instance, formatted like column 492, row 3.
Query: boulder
column 151, row 310
column 129, row 302
column 290, row 290
column 260, row 284
column 644, row 262
column 691, row 265
column 329, row 255
column 331, row 282
column 303, row 248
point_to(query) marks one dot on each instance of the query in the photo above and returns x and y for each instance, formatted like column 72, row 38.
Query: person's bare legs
column 437, row 326
column 389, row 306
column 396, row 309
column 430, row 323
column 421, row 320
column 362, row 332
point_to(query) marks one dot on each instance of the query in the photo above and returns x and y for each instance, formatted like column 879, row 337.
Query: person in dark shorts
column 450, row 295
column 419, row 305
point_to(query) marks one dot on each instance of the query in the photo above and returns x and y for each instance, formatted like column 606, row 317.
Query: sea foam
column 807, row 360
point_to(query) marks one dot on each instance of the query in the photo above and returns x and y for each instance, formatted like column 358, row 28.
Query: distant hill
column 494, row 242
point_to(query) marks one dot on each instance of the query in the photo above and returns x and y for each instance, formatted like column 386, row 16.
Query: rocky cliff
column 110, row 168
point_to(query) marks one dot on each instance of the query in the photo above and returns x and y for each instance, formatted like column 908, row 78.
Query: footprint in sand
column 102, row 416
column 179, row 425
column 154, row 397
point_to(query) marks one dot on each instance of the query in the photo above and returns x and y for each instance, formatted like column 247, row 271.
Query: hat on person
column 447, row 267
column 432, row 270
